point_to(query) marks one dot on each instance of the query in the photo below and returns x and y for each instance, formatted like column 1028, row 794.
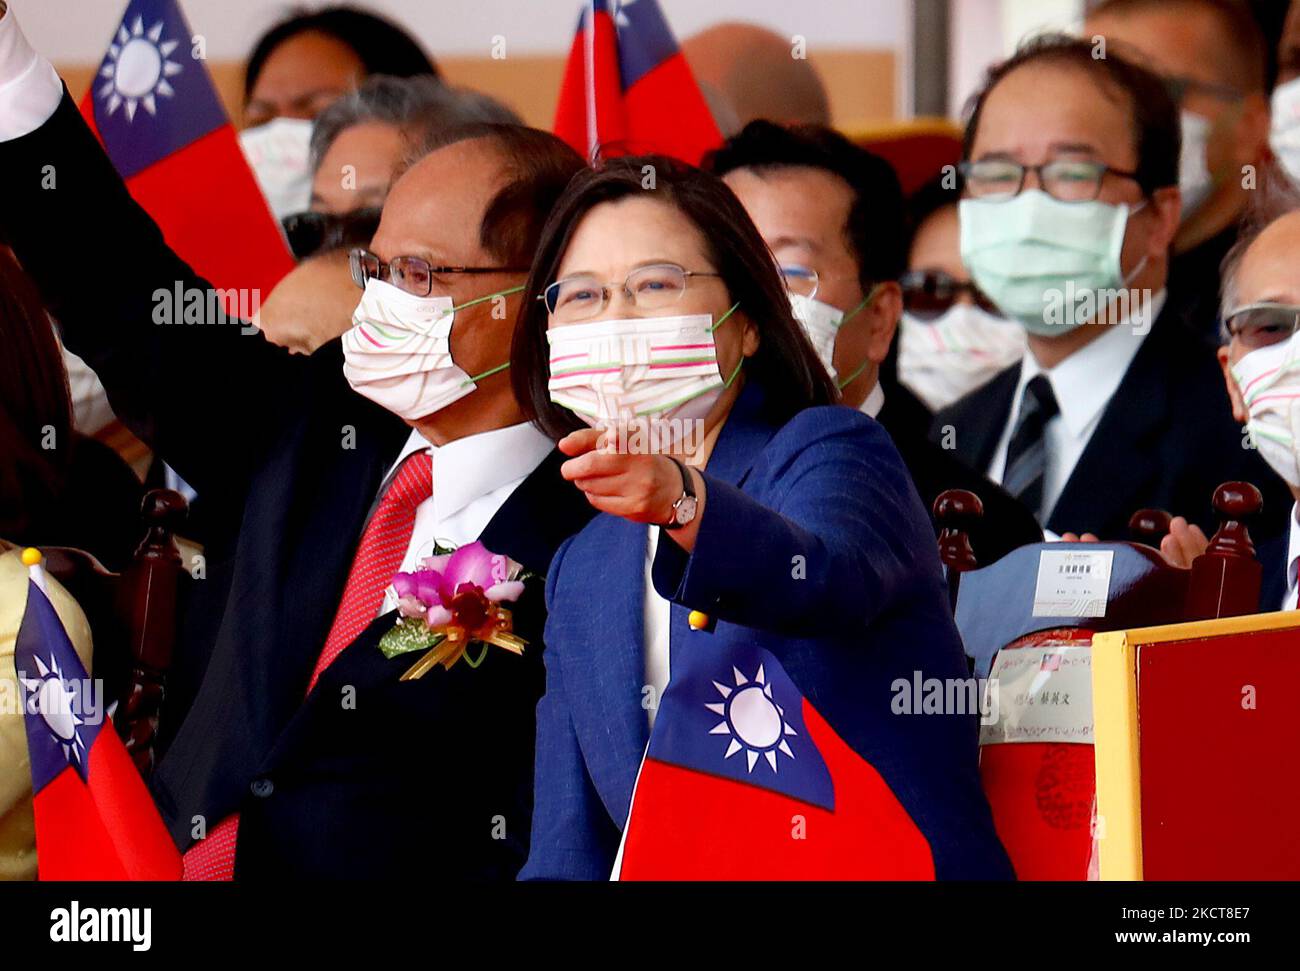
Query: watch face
column 685, row 510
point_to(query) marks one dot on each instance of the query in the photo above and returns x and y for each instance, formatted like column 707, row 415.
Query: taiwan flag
column 627, row 89
column 154, row 108
column 744, row 780
column 94, row 817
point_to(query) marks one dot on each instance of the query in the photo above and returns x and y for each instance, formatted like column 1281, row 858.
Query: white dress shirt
column 658, row 620
column 1083, row 385
column 1292, row 558
column 30, row 89
column 874, row 401
column 472, row 479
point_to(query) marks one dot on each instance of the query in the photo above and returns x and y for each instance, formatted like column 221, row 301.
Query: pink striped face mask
column 1269, row 380
column 651, row 368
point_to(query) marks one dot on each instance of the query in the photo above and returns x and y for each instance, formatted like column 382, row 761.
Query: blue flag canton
column 644, row 39
column 737, row 715
column 152, row 97
column 62, row 710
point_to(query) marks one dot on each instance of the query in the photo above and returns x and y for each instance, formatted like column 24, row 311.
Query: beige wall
column 860, row 83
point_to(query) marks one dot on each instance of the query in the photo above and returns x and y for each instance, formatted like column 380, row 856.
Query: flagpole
column 589, row 52
column 32, row 560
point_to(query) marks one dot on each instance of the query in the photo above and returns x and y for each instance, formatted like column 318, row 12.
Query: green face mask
column 1050, row 265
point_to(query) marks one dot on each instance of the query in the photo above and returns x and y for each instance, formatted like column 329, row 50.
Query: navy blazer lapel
column 743, row 436
column 978, row 420
column 604, row 659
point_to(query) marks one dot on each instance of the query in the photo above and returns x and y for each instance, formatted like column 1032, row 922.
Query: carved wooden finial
column 1149, row 526
column 1225, row 578
column 957, row 511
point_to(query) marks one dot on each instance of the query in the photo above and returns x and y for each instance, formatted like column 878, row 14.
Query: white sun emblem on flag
column 138, row 69
column 55, row 703
column 752, row 719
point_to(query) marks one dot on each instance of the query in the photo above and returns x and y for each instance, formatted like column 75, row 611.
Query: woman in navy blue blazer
column 743, row 637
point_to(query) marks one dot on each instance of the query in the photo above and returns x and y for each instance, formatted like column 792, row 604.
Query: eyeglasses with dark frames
column 1065, row 179
column 1262, row 324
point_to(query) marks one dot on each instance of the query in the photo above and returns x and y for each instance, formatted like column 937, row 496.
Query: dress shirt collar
column 1086, row 380
column 874, row 402
column 30, row 89
column 472, row 467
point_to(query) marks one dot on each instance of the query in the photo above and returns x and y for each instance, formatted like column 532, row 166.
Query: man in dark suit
column 1070, row 204
column 832, row 214
column 303, row 754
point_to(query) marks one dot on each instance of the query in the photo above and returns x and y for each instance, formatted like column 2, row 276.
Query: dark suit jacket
column 1165, row 440
column 1272, row 556
column 1007, row 523
column 827, row 487
column 368, row 777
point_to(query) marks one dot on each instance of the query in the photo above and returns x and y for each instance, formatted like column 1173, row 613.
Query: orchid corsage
column 452, row 602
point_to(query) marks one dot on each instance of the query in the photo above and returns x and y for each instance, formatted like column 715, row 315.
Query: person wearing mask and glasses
column 832, row 213
column 661, row 311
column 1070, row 205
column 1261, row 368
column 1212, row 57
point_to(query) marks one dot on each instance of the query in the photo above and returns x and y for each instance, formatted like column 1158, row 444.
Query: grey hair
column 417, row 105
column 1275, row 197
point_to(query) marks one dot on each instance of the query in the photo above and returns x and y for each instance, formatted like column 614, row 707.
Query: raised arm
column 203, row 395
column 843, row 539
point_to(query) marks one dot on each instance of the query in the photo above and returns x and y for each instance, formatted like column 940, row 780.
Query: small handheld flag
column 744, row 780
column 627, row 88
column 157, row 113
column 94, row 817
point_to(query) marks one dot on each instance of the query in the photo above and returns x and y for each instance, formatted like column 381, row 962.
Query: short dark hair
column 1240, row 32
column 1157, row 131
column 874, row 224
column 785, row 364
column 380, row 45
column 538, row 166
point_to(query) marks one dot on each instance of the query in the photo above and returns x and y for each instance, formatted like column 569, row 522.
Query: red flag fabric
column 95, row 820
column 157, row 113
column 744, row 780
column 627, row 89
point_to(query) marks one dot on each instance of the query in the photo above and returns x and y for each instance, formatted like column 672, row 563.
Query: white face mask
column 398, row 351
column 1284, row 135
column 1194, row 180
column 822, row 323
column 656, row 368
column 1269, row 380
column 944, row 358
column 279, row 155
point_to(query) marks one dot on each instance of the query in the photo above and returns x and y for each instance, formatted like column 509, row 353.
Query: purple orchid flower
column 428, row 591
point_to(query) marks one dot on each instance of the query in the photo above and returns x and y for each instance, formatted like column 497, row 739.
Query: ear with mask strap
column 866, row 302
column 475, row 378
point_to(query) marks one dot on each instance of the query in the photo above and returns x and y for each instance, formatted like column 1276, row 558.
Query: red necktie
column 383, row 547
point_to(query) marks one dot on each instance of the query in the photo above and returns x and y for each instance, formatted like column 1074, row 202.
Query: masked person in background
column 1261, row 366
column 1069, row 208
column 1213, row 58
column 832, row 214
column 359, row 146
column 297, row 736
column 951, row 338
column 665, row 306
column 296, row 69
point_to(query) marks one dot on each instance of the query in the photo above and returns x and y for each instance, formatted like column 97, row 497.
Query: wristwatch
column 684, row 508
